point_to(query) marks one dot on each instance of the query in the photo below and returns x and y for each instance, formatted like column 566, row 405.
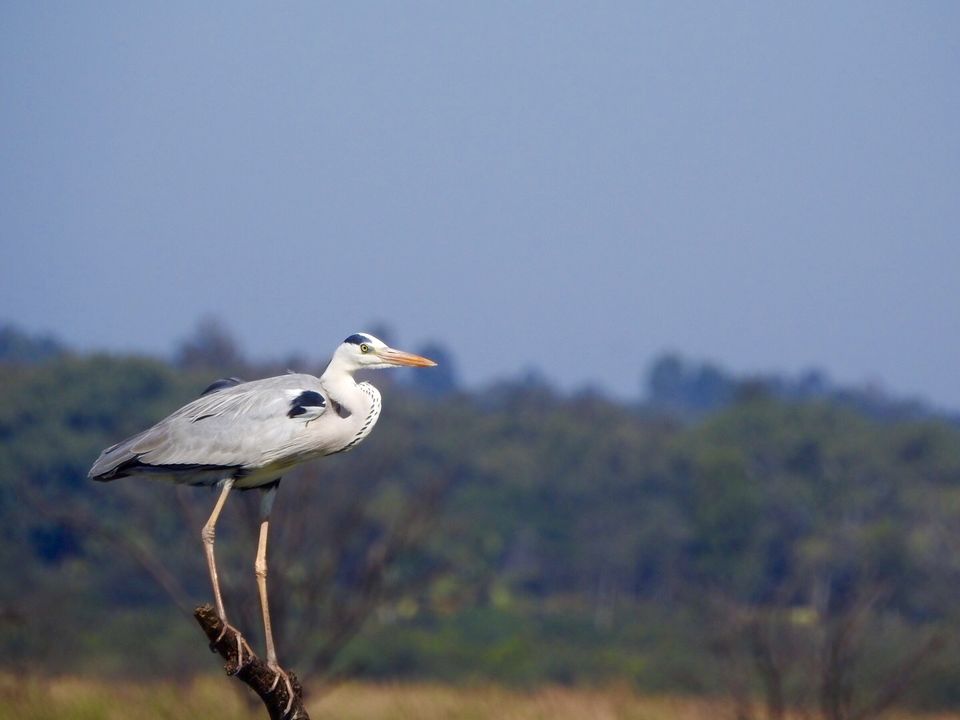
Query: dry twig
column 253, row 671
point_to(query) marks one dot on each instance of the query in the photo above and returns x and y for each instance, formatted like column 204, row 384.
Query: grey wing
column 229, row 430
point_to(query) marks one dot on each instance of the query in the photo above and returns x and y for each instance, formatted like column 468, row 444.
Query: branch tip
column 246, row 666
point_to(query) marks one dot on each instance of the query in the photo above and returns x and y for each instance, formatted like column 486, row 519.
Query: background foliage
column 769, row 538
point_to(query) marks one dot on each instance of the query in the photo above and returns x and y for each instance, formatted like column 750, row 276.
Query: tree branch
column 254, row 672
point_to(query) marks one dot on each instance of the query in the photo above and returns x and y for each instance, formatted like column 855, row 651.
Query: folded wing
column 227, row 431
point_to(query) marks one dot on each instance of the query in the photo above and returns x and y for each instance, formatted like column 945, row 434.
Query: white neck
column 337, row 369
column 338, row 381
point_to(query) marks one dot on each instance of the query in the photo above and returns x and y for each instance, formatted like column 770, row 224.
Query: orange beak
column 398, row 357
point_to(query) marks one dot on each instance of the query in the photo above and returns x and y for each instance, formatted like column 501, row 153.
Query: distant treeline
column 672, row 385
column 787, row 541
column 692, row 389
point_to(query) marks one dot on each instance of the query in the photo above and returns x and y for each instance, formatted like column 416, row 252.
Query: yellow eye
column 364, row 348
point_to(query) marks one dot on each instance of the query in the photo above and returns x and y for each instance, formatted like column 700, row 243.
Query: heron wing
column 237, row 427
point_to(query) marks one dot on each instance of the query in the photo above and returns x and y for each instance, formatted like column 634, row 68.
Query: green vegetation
column 787, row 551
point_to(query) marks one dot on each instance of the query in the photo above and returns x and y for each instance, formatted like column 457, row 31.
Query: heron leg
column 260, row 568
column 208, row 534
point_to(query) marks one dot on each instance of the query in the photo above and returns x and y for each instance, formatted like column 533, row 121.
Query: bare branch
column 250, row 669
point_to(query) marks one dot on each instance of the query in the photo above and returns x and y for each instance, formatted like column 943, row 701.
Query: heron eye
column 364, row 348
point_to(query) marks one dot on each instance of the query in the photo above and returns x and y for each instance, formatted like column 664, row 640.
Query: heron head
column 364, row 351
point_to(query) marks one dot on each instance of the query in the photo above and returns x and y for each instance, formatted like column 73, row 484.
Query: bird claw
column 280, row 673
column 213, row 643
column 240, row 643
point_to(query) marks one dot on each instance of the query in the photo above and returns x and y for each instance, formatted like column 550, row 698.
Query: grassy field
column 213, row 698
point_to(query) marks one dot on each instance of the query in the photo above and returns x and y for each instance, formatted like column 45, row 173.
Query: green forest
column 774, row 539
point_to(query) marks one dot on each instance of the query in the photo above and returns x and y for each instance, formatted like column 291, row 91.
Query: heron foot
column 280, row 673
column 241, row 642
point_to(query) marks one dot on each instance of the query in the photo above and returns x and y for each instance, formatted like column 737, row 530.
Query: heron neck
column 338, row 371
column 338, row 381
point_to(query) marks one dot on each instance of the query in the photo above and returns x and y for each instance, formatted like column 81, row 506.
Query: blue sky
column 573, row 187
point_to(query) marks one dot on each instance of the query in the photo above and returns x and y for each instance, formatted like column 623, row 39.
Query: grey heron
column 246, row 435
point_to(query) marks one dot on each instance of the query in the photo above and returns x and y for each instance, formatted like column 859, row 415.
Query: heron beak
column 398, row 357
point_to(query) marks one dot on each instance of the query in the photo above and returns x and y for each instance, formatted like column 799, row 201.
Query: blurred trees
column 209, row 347
column 441, row 380
column 798, row 550
column 689, row 390
column 17, row 346
column 829, row 559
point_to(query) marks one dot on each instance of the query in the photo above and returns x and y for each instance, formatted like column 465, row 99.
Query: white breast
column 370, row 420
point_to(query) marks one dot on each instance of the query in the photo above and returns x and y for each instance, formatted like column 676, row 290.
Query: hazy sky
column 576, row 187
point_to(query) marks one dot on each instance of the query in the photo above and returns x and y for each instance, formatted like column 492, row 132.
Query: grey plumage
column 221, row 384
column 244, row 431
column 247, row 434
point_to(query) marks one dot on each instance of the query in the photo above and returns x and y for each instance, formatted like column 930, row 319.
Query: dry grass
column 86, row 699
column 436, row 702
column 214, row 698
